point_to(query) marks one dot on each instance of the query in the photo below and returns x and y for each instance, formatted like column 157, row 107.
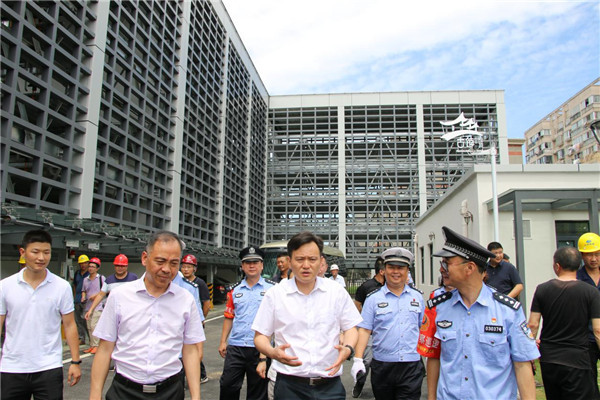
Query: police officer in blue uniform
column 485, row 343
column 241, row 357
column 392, row 314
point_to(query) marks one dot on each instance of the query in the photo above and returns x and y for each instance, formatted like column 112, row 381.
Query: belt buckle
column 148, row 388
column 313, row 381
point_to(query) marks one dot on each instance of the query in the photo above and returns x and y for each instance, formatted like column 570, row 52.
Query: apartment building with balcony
column 564, row 136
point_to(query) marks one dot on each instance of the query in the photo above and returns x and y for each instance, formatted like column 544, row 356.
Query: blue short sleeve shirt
column 246, row 301
column 394, row 323
column 478, row 347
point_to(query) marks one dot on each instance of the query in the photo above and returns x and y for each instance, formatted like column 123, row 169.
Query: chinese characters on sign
column 468, row 139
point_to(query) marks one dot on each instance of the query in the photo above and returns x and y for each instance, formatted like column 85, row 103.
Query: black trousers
column 567, row 383
column 286, row 389
column 202, row 370
column 594, row 353
column 173, row 391
column 43, row 385
column 396, row 380
column 241, row 361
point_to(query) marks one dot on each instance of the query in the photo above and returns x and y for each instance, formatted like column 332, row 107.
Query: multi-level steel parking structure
column 359, row 169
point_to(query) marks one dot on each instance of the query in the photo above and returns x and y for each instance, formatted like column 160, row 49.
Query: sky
column 540, row 53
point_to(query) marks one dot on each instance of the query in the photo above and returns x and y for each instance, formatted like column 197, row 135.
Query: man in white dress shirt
column 306, row 315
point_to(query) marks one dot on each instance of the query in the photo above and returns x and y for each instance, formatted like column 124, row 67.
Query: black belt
column 153, row 388
column 308, row 381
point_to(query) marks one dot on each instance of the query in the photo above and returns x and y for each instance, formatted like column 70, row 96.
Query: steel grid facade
column 391, row 159
column 45, row 69
column 198, row 210
column 134, row 116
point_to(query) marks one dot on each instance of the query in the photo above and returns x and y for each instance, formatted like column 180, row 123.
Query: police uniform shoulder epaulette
column 270, row 282
column 507, row 300
column 437, row 300
column 194, row 284
column 373, row 291
column 491, row 287
column 412, row 286
column 232, row 286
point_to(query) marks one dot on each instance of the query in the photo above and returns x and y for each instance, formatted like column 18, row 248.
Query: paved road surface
column 214, row 365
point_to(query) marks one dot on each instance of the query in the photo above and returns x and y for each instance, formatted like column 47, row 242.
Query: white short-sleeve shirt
column 311, row 324
column 33, row 317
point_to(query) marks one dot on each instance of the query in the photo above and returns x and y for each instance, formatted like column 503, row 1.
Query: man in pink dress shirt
column 147, row 325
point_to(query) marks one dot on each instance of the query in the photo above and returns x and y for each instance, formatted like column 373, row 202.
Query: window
column 568, row 232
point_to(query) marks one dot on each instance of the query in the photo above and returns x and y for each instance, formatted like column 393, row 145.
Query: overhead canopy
column 89, row 235
column 519, row 200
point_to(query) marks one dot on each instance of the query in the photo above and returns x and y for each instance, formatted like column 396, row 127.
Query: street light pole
column 494, row 192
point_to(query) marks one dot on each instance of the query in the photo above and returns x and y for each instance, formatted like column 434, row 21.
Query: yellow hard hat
column 83, row 258
column 589, row 243
column 22, row 260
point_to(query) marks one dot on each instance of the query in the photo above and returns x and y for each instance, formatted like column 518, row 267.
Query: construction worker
column 589, row 247
column 120, row 277
column 78, row 277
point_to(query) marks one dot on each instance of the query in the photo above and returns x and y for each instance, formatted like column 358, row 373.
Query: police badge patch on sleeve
column 526, row 330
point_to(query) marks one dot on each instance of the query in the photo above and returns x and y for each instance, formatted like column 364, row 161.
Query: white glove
column 357, row 367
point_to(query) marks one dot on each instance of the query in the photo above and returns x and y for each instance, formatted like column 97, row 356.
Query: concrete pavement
column 213, row 362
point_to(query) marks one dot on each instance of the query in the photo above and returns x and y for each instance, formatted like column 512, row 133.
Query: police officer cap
column 397, row 255
column 458, row 245
column 251, row 253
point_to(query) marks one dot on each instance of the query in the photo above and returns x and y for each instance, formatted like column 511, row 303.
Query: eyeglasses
column 445, row 265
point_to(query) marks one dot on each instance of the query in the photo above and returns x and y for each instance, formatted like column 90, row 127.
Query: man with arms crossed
column 34, row 302
column 567, row 306
column 147, row 325
column 306, row 315
column 484, row 342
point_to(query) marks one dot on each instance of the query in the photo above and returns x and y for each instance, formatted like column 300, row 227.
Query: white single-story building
column 555, row 204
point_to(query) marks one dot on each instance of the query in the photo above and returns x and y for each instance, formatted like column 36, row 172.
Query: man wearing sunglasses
column 485, row 345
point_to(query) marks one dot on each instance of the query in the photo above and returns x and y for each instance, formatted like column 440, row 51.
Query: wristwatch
column 262, row 359
column 75, row 362
column 351, row 351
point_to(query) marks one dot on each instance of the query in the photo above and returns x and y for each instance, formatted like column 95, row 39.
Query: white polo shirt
column 311, row 324
column 33, row 317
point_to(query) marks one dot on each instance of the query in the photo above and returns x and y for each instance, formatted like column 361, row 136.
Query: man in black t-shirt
column 359, row 299
column 567, row 305
column 502, row 275
column 368, row 286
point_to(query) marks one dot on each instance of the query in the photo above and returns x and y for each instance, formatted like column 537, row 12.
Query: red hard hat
column 95, row 260
column 121, row 259
column 189, row 259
